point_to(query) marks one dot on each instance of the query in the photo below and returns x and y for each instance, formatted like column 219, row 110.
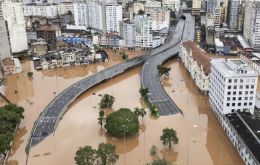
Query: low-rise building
column 113, row 41
column 11, row 66
column 39, row 47
column 197, row 63
column 41, row 10
column 48, row 32
column 68, row 58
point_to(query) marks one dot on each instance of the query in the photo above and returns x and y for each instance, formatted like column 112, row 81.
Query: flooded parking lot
column 201, row 139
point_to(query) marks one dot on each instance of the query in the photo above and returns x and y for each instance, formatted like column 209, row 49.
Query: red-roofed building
column 197, row 63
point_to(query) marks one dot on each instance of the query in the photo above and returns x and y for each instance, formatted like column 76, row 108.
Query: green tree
column 159, row 162
column 106, row 101
column 144, row 92
column 29, row 74
column 107, row 153
column 163, row 70
column 169, row 136
column 140, row 112
column 5, row 140
column 122, row 123
column 154, row 110
column 153, row 151
column 101, row 118
column 124, row 55
column 85, row 156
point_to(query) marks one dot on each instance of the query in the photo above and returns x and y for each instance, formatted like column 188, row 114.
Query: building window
column 245, row 104
column 235, row 80
column 229, row 87
column 251, row 92
column 239, row 98
column 252, row 86
column 233, row 104
column 239, row 104
column 234, row 92
column 228, row 104
column 247, row 86
column 241, row 80
column 240, row 86
column 229, row 80
column 228, row 98
column 246, row 98
column 234, row 98
column 250, row 103
column 235, row 87
column 229, row 93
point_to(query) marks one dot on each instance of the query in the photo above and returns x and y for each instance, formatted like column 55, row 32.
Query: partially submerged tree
column 122, row 123
column 85, row 155
column 163, row 70
column 101, row 118
column 107, row 153
column 140, row 112
column 169, row 136
column 106, row 101
column 144, row 92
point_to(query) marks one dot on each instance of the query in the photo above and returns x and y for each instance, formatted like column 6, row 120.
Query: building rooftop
column 8, row 62
column 248, row 128
column 48, row 28
column 198, row 56
column 233, row 67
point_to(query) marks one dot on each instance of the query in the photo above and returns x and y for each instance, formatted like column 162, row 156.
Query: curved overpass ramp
column 185, row 30
column 50, row 117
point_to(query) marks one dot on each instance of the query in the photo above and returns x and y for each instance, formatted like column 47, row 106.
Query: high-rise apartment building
column 95, row 15
column 129, row 35
column 80, row 13
column 196, row 7
column 114, row 16
column 13, row 14
column 251, row 30
column 232, row 86
column 174, row 5
column 143, row 25
column 4, row 42
column 233, row 14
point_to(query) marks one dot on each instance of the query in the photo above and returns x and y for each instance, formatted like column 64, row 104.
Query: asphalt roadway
column 150, row 76
column 52, row 114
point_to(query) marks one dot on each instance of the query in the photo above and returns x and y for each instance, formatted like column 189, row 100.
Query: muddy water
column 35, row 93
column 201, row 139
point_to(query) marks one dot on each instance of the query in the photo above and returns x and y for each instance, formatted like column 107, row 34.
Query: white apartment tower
column 252, row 23
column 144, row 28
column 80, row 13
column 232, row 86
column 4, row 42
column 114, row 16
column 13, row 14
column 129, row 35
column 95, row 16
column 174, row 5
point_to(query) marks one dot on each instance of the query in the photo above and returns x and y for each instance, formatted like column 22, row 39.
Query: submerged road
column 185, row 30
column 50, row 117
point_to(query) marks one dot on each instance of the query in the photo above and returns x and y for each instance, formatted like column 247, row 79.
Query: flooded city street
column 201, row 140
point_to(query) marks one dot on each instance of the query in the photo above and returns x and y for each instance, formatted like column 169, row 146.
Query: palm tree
column 140, row 112
column 101, row 118
column 169, row 136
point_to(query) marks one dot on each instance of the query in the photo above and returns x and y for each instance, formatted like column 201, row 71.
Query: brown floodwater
column 201, row 140
column 35, row 93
